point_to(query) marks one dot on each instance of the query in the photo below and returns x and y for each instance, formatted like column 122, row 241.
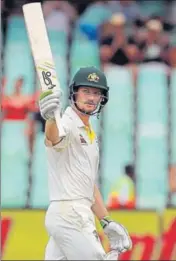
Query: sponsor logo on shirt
column 96, row 235
column 83, row 141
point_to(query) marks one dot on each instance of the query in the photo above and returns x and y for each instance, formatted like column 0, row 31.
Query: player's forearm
column 52, row 132
column 98, row 207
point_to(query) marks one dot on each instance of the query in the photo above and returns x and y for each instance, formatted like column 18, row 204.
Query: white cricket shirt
column 73, row 162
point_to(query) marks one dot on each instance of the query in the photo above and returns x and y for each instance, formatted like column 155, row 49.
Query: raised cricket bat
column 41, row 51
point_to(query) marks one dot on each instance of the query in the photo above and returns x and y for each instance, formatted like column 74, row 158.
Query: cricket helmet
column 90, row 77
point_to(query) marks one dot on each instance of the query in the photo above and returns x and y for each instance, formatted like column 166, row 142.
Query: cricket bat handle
column 58, row 123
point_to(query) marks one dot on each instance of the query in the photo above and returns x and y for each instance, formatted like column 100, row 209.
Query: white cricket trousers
column 72, row 231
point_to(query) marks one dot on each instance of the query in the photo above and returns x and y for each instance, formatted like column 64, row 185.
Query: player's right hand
column 49, row 102
column 117, row 234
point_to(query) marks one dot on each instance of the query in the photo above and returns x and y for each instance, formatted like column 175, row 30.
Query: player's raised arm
column 50, row 102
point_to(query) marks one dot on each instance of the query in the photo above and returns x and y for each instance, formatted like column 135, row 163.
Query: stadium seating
column 173, row 116
column 152, row 149
column 152, row 7
column 95, row 15
column 17, row 56
column 96, row 123
column 59, row 46
column 58, row 41
column 173, row 124
column 117, row 133
column 39, row 188
column 14, row 165
column 83, row 53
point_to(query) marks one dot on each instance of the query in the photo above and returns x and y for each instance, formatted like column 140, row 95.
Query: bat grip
column 58, row 123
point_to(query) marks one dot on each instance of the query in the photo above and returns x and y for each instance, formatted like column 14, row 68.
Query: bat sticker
column 47, row 79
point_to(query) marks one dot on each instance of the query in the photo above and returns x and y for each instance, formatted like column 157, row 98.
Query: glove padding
column 49, row 102
column 118, row 236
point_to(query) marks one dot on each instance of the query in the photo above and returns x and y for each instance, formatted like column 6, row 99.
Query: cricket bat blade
column 41, row 51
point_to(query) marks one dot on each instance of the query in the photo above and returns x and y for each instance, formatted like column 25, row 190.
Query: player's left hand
column 118, row 236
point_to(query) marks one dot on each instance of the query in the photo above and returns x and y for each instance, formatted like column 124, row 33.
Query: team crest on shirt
column 83, row 141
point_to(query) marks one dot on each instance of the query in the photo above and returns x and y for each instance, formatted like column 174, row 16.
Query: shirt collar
column 69, row 111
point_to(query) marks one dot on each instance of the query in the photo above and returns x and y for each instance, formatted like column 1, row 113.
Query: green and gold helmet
column 90, row 77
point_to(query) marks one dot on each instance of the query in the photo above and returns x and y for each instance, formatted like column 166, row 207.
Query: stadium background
column 137, row 129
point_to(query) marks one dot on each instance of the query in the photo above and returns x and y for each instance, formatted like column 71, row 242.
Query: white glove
column 118, row 236
column 112, row 255
column 49, row 102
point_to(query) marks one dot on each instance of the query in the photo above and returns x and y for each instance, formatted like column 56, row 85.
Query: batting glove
column 118, row 236
column 49, row 102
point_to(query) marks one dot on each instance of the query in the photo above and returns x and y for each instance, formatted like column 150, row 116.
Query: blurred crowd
column 128, row 33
